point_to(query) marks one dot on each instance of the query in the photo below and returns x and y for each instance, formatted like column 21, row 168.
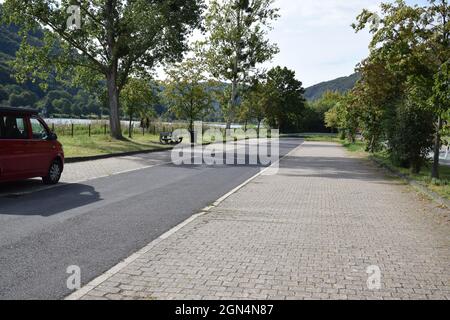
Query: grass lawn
column 84, row 146
column 440, row 186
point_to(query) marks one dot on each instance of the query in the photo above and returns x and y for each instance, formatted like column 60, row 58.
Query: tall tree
column 436, row 41
column 138, row 97
column 188, row 92
column 117, row 38
column 413, row 43
column 237, row 42
column 343, row 115
column 255, row 103
column 376, row 93
column 286, row 99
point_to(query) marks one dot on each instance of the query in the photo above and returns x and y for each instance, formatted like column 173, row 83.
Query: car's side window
column 13, row 127
column 38, row 130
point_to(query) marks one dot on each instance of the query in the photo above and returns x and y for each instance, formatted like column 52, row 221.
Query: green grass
column 81, row 145
column 84, row 146
column 440, row 186
column 357, row 146
column 314, row 137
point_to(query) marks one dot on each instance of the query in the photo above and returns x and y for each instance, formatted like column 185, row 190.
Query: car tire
column 54, row 173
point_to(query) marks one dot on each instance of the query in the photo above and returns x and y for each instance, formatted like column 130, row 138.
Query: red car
column 28, row 148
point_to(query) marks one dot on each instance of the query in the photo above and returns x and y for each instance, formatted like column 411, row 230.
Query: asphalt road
column 98, row 223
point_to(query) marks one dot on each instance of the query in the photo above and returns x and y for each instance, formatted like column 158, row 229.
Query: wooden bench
column 168, row 138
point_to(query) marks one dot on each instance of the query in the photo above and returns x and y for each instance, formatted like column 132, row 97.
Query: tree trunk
column 113, row 99
column 129, row 126
column 191, row 131
column 258, row 128
column 372, row 144
column 232, row 108
column 234, row 84
column 437, row 149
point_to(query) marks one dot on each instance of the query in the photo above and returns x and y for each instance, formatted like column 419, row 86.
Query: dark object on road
column 28, row 148
column 169, row 138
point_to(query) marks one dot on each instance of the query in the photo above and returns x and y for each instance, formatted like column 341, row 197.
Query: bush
column 3, row 95
column 410, row 135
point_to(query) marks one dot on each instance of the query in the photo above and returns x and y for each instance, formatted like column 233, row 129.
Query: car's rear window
column 13, row 127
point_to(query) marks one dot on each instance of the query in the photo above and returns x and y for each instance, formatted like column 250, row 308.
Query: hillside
column 342, row 84
column 59, row 100
column 9, row 44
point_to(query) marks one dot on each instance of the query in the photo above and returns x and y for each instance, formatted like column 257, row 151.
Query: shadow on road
column 16, row 187
column 49, row 201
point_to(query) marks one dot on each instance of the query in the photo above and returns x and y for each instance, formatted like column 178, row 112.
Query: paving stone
column 309, row 232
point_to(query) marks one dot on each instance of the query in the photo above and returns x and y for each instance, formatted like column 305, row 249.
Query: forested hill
column 9, row 44
column 58, row 100
column 342, row 84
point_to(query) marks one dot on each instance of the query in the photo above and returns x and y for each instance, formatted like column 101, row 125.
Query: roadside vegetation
column 81, row 141
column 84, row 146
column 400, row 103
column 210, row 79
column 440, row 186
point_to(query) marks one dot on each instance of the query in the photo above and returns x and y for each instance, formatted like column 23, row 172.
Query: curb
column 421, row 188
column 112, row 155
column 121, row 265
column 119, row 154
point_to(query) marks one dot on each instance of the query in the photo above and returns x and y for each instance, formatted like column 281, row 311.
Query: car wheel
column 54, row 173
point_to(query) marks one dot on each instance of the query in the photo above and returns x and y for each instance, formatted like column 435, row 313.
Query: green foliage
column 312, row 119
column 285, row 100
column 255, row 104
column 117, row 38
column 4, row 95
column 342, row 114
column 139, row 97
column 403, row 92
column 237, row 43
column 440, row 98
column 410, row 136
column 10, row 41
column 24, row 99
column 63, row 105
column 187, row 91
column 314, row 114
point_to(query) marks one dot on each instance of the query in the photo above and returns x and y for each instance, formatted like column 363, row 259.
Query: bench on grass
column 169, row 138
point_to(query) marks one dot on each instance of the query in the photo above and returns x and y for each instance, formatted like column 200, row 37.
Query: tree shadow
column 332, row 168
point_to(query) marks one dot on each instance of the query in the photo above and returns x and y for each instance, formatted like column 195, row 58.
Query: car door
column 15, row 160
column 41, row 148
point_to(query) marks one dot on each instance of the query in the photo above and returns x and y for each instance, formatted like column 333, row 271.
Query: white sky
column 316, row 39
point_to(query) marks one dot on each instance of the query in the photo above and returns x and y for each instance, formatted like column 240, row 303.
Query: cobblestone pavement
column 309, row 232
